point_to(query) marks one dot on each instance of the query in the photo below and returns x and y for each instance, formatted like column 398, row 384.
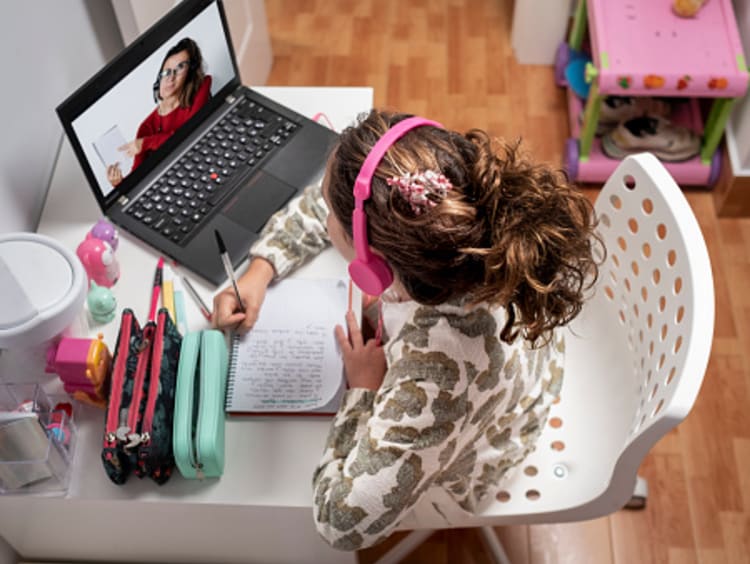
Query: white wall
column 50, row 47
column 7, row 554
column 248, row 26
column 136, row 16
column 538, row 28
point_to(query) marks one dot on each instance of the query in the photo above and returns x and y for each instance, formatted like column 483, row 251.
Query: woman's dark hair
column 510, row 232
column 195, row 75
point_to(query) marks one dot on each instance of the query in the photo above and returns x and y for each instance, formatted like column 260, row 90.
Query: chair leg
column 405, row 546
column 640, row 495
column 497, row 552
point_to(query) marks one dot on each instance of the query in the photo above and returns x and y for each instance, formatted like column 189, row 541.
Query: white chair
column 635, row 360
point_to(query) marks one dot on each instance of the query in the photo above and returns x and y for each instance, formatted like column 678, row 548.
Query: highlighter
column 179, row 306
column 167, row 291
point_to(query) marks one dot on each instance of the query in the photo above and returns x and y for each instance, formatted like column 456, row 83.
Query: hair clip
column 421, row 189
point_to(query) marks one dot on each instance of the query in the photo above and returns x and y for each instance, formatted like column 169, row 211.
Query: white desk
column 260, row 510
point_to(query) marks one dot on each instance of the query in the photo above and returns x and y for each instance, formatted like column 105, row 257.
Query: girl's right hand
column 252, row 286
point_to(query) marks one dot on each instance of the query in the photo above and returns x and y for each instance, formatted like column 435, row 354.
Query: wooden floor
column 452, row 61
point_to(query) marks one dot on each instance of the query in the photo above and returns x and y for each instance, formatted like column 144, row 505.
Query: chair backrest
column 635, row 357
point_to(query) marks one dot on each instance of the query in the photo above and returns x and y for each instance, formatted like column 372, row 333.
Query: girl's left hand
column 364, row 362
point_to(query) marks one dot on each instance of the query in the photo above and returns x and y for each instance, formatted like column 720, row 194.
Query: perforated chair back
column 635, row 357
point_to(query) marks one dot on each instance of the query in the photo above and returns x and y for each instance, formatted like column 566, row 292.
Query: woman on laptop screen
column 180, row 90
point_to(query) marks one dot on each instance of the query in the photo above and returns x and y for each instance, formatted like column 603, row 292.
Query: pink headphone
column 369, row 271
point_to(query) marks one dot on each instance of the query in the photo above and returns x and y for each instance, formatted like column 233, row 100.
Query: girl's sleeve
column 383, row 452
column 294, row 234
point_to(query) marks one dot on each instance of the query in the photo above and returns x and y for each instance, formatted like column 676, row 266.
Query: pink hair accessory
column 421, row 189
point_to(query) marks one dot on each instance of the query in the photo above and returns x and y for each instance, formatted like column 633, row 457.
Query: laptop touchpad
column 255, row 203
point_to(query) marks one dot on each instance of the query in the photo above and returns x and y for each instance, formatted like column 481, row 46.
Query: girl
column 490, row 255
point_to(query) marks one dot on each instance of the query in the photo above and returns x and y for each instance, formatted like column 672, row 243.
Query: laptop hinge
column 122, row 200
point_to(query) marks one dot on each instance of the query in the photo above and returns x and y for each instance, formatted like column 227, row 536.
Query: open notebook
column 290, row 363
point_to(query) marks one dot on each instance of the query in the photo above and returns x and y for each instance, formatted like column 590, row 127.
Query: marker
column 228, row 268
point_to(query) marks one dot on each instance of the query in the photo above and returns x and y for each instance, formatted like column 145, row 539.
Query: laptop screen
column 123, row 122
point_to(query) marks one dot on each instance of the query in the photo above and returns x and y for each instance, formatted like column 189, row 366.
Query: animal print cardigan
column 457, row 410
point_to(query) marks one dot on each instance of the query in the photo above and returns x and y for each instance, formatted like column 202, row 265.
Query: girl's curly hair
column 511, row 233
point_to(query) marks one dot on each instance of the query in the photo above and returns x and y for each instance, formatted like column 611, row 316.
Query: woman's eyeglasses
column 178, row 69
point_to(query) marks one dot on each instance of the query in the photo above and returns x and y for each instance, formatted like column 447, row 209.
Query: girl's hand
column 252, row 286
column 364, row 362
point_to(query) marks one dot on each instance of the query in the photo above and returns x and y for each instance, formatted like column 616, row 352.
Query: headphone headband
column 363, row 183
column 368, row 271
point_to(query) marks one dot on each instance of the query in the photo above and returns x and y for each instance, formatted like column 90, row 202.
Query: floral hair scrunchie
column 421, row 189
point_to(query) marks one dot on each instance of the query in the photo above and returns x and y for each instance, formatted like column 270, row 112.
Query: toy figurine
column 102, row 303
column 83, row 366
column 105, row 231
column 99, row 260
column 687, row 8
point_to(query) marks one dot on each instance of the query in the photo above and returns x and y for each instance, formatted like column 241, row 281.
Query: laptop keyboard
column 185, row 195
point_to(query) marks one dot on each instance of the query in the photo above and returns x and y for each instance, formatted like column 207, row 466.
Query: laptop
column 213, row 153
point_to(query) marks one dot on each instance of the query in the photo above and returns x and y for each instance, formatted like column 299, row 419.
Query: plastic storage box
column 37, row 442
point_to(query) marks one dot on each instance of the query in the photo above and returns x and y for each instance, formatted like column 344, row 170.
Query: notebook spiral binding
column 231, row 372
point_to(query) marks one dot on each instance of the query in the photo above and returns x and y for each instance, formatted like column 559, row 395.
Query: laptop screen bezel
column 109, row 76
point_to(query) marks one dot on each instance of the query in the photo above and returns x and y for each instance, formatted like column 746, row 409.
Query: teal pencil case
column 198, row 431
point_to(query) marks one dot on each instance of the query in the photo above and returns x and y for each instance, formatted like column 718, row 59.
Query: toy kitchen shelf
column 641, row 48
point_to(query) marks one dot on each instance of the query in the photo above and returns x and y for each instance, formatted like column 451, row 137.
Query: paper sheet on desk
column 290, row 361
column 107, row 147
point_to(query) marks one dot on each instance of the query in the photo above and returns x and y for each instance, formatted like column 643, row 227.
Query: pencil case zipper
column 188, row 394
column 129, row 434
column 194, row 450
column 118, row 381
column 153, row 385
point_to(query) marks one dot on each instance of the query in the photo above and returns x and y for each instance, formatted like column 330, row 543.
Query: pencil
column 196, row 297
column 167, row 291
column 226, row 261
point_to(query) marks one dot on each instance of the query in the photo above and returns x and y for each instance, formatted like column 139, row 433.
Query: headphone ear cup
column 373, row 276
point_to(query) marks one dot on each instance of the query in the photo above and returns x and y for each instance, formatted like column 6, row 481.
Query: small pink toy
column 105, row 231
column 98, row 258
column 83, row 366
